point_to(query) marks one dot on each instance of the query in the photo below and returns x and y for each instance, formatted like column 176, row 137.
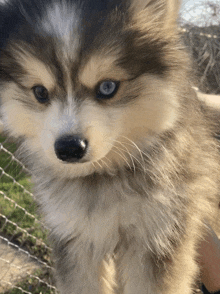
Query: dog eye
column 41, row 94
column 107, row 89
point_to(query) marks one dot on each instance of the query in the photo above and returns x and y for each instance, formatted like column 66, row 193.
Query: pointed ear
column 172, row 11
column 162, row 13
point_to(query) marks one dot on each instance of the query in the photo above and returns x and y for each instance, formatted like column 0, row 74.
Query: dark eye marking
column 107, row 89
column 41, row 94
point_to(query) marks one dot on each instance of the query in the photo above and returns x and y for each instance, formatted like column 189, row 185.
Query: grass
column 7, row 162
column 16, row 222
column 33, row 232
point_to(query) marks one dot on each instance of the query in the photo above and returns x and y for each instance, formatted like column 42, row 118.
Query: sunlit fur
column 128, row 217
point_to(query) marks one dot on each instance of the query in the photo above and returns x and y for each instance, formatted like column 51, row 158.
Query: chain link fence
column 25, row 255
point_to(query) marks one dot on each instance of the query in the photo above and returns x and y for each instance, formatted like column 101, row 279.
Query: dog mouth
column 71, row 148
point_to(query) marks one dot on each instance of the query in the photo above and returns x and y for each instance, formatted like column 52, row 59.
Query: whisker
column 93, row 164
column 131, row 155
column 122, row 150
column 146, row 155
column 135, row 145
column 98, row 164
column 102, row 160
column 107, row 159
column 141, row 151
column 125, row 159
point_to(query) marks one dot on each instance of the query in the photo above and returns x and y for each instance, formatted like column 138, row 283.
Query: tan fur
column 161, row 17
column 37, row 72
column 25, row 124
column 100, row 68
column 172, row 12
column 147, row 114
column 107, row 274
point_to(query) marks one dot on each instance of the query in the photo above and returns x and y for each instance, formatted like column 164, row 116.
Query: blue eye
column 41, row 94
column 107, row 89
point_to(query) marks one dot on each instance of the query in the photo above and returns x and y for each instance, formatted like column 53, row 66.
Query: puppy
column 125, row 165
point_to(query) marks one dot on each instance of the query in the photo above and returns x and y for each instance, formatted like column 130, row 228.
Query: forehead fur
column 99, row 68
column 36, row 71
column 82, row 31
column 62, row 21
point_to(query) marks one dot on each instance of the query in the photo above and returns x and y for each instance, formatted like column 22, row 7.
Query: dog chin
column 85, row 167
column 76, row 170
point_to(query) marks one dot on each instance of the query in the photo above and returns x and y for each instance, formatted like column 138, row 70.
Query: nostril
column 70, row 148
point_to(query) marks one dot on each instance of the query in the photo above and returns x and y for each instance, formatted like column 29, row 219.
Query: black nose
column 70, row 148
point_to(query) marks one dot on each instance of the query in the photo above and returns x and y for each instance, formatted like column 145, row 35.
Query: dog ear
column 160, row 13
column 172, row 13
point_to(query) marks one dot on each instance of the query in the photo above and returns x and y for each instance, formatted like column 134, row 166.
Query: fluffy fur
column 129, row 215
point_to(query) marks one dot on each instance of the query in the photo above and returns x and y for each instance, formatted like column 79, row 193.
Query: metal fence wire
column 25, row 255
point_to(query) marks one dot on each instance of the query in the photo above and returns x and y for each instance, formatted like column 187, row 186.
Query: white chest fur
column 97, row 214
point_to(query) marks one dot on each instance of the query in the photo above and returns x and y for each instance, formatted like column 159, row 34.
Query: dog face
column 85, row 84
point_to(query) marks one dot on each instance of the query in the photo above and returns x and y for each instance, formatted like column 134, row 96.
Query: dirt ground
column 14, row 266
